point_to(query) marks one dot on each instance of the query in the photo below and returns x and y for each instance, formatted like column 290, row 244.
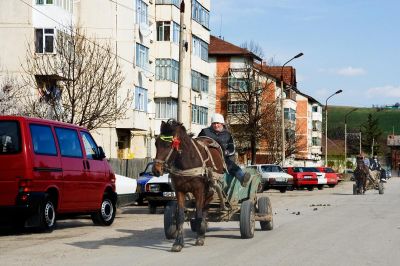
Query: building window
column 140, row 99
column 166, row 108
column 315, row 109
column 199, row 115
column 237, row 107
column 167, row 69
column 164, row 31
column 200, row 14
column 317, row 125
column 142, row 56
column 44, row 41
column 141, row 12
column 168, row 2
column 290, row 114
column 200, row 48
column 237, row 85
column 44, row 2
column 316, row 141
column 199, row 82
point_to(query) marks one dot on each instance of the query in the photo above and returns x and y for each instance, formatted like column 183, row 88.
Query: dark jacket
column 224, row 138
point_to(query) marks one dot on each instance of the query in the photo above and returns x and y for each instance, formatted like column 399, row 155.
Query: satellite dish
column 144, row 29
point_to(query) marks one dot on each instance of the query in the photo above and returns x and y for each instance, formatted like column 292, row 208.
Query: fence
column 130, row 167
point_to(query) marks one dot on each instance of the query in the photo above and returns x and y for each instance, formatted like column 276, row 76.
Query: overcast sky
column 351, row 45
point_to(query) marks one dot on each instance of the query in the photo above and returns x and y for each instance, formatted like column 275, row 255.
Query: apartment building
column 144, row 36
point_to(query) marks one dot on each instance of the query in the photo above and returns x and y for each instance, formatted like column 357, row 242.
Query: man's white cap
column 217, row 118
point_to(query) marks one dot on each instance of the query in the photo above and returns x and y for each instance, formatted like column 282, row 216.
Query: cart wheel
column 380, row 188
column 170, row 220
column 264, row 207
column 354, row 189
column 247, row 219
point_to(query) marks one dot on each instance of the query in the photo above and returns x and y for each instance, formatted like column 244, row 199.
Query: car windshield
column 271, row 168
column 10, row 139
column 329, row 170
column 149, row 169
column 310, row 169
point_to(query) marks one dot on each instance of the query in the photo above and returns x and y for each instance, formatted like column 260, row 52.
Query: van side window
column 9, row 137
column 69, row 142
column 90, row 145
column 43, row 140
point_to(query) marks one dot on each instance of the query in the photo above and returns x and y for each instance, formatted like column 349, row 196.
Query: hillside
column 389, row 119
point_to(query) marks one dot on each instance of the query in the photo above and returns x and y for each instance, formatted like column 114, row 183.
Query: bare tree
column 10, row 96
column 253, row 47
column 78, row 84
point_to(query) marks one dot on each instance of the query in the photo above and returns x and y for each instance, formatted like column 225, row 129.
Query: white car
column 158, row 191
column 126, row 188
column 273, row 176
column 322, row 180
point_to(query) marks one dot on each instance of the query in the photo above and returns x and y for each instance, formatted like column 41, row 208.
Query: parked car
column 331, row 176
column 49, row 168
column 322, row 180
column 126, row 189
column 302, row 178
column 142, row 180
column 273, row 177
column 157, row 191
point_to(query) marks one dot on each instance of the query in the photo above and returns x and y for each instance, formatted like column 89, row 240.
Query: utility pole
column 181, row 58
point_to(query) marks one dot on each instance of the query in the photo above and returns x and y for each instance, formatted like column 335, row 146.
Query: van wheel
column 106, row 214
column 47, row 214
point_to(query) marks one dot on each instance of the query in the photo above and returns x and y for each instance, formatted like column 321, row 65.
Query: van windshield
column 10, row 139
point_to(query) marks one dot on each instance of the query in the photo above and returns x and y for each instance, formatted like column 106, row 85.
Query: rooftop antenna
column 220, row 27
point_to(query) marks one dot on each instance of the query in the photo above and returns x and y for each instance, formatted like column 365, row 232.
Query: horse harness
column 197, row 171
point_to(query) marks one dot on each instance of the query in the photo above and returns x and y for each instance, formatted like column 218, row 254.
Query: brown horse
column 361, row 174
column 191, row 164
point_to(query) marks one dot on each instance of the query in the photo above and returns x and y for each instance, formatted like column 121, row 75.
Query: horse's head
column 167, row 144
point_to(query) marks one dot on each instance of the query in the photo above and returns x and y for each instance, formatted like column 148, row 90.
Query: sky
column 352, row 45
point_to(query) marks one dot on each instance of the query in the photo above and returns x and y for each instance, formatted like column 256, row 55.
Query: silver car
column 273, row 177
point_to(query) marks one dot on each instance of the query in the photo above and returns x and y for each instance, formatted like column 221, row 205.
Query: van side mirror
column 100, row 153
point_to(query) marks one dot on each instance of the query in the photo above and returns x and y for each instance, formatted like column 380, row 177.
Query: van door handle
column 87, row 165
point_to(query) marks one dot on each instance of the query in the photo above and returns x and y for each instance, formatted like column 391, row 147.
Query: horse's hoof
column 200, row 242
column 176, row 248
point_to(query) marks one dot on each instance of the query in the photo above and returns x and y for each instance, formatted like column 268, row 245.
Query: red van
column 49, row 168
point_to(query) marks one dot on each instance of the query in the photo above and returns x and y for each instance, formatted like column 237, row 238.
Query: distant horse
column 361, row 173
column 193, row 165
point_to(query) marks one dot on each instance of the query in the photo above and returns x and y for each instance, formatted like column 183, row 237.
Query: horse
column 193, row 165
column 361, row 173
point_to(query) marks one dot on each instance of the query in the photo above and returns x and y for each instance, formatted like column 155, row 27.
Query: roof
column 310, row 99
column 221, row 47
column 288, row 73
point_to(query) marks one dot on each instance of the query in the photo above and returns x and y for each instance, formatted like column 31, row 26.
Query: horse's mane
column 172, row 126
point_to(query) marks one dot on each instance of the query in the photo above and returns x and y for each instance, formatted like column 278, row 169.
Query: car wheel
column 332, row 185
column 106, row 214
column 282, row 190
column 170, row 220
column 264, row 207
column 320, row 187
column 310, row 188
column 47, row 214
column 247, row 219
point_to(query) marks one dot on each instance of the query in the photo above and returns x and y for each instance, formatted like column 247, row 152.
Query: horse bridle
column 175, row 142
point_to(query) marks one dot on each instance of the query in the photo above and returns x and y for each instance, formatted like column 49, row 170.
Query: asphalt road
column 328, row 227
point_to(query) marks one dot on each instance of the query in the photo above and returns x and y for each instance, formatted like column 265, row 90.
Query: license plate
column 280, row 179
column 169, row 194
column 307, row 177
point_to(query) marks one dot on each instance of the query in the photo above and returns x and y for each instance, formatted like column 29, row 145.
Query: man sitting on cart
column 218, row 132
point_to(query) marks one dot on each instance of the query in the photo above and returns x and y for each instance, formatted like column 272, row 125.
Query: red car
column 49, row 168
column 331, row 176
column 302, row 178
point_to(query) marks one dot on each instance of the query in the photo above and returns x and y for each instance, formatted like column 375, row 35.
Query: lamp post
column 345, row 133
column 282, row 109
column 326, row 126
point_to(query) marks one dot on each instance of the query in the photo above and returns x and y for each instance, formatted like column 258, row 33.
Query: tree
column 10, row 96
column 79, row 84
column 371, row 133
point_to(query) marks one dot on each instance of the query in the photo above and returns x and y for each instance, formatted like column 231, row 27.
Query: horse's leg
column 180, row 218
column 200, row 220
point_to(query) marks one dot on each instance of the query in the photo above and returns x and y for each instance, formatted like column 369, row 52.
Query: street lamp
column 345, row 133
column 282, row 109
column 326, row 126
